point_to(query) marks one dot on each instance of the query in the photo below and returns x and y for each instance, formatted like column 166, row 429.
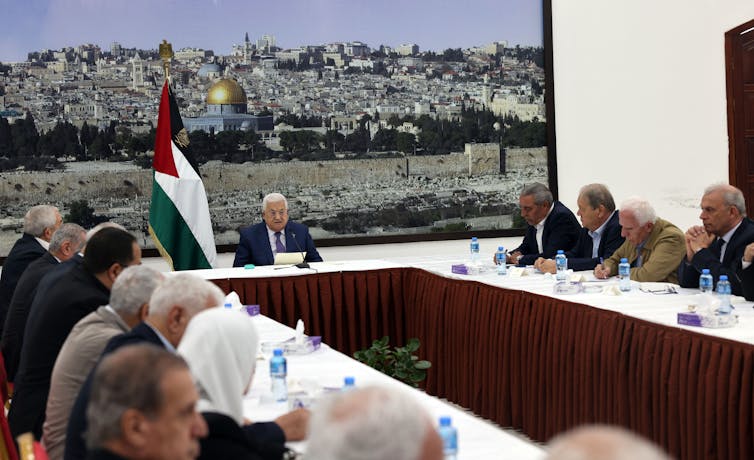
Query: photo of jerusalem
column 373, row 129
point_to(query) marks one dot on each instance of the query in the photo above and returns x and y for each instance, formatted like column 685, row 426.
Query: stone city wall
column 36, row 187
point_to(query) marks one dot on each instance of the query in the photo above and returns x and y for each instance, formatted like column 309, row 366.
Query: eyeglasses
column 274, row 213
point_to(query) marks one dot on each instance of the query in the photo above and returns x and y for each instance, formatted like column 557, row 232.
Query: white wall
column 640, row 101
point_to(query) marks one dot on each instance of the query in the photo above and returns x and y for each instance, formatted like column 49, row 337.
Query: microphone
column 303, row 264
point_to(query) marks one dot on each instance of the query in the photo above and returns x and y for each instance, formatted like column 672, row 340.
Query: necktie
column 279, row 247
column 717, row 248
column 639, row 258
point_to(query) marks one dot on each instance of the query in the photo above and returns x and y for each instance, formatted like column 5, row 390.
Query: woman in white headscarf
column 220, row 346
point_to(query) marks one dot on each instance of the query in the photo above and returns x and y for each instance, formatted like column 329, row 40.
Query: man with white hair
column 260, row 243
column 40, row 222
column 129, row 303
column 654, row 247
column 171, row 307
column 372, row 423
column 66, row 242
column 601, row 442
column 719, row 243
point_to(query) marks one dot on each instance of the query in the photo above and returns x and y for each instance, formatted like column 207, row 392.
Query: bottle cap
column 444, row 420
column 723, row 278
column 501, row 249
column 705, row 271
column 349, row 381
column 560, row 251
column 473, row 238
column 624, row 260
column 277, row 352
column 228, row 305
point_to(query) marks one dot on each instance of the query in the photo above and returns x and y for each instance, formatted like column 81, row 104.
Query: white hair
column 68, row 232
column 133, row 288
column 602, row 442
column 732, row 196
column 640, row 208
column 273, row 198
column 185, row 290
column 371, row 423
column 102, row 225
column 40, row 218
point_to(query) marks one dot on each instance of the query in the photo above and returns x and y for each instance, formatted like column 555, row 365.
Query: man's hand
column 749, row 253
column 513, row 257
column 601, row 272
column 294, row 424
column 545, row 265
column 697, row 238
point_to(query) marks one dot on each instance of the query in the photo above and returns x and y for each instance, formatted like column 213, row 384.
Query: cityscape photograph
column 373, row 119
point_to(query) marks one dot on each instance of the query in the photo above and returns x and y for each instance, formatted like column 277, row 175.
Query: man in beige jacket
column 654, row 247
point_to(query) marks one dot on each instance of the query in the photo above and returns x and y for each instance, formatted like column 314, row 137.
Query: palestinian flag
column 179, row 220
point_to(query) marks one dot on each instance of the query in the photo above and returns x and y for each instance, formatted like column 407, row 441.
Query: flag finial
column 166, row 53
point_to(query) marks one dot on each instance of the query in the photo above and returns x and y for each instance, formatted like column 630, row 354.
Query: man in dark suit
column 260, row 243
column 40, row 222
column 720, row 242
column 144, row 406
column 66, row 242
column 552, row 226
column 600, row 235
column 76, row 294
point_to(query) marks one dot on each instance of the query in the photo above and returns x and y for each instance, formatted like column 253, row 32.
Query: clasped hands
column 696, row 239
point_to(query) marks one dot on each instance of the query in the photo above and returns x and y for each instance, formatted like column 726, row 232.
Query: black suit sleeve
column 243, row 252
column 561, row 232
column 747, row 282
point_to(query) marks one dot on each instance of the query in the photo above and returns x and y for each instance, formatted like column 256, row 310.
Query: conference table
column 514, row 353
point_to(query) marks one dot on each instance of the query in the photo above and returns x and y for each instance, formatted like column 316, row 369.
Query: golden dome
column 226, row 91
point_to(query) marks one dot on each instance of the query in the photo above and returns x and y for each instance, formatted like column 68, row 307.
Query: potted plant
column 399, row 362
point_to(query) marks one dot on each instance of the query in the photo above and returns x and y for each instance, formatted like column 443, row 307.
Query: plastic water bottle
column 502, row 269
column 705, row 281
column 474, row 246
column 561, row 265
column 449, row 436
column 278, row 374
column 349, row 383
column 723, row 293
column 624, row 275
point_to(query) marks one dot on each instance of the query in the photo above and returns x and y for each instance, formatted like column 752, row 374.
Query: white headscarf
column 220, row 347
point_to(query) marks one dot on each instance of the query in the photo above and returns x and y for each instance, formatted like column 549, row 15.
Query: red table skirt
column 533, row 363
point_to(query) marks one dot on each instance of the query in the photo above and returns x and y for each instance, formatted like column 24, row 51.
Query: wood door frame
column 736, row 128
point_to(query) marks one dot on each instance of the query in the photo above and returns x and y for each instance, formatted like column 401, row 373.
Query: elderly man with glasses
column 260, row 243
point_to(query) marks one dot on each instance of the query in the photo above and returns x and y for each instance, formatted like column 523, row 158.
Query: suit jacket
column 580, row 257
column 80, row 353
column 75, row 446
column 15, row 322
column 25, row 250
column 688, row 272
column 663, row 250
column 75, row 295
column 561, row 232
column 747, row 282
column 254, row 244
column 103, row 454
column 226, row 439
